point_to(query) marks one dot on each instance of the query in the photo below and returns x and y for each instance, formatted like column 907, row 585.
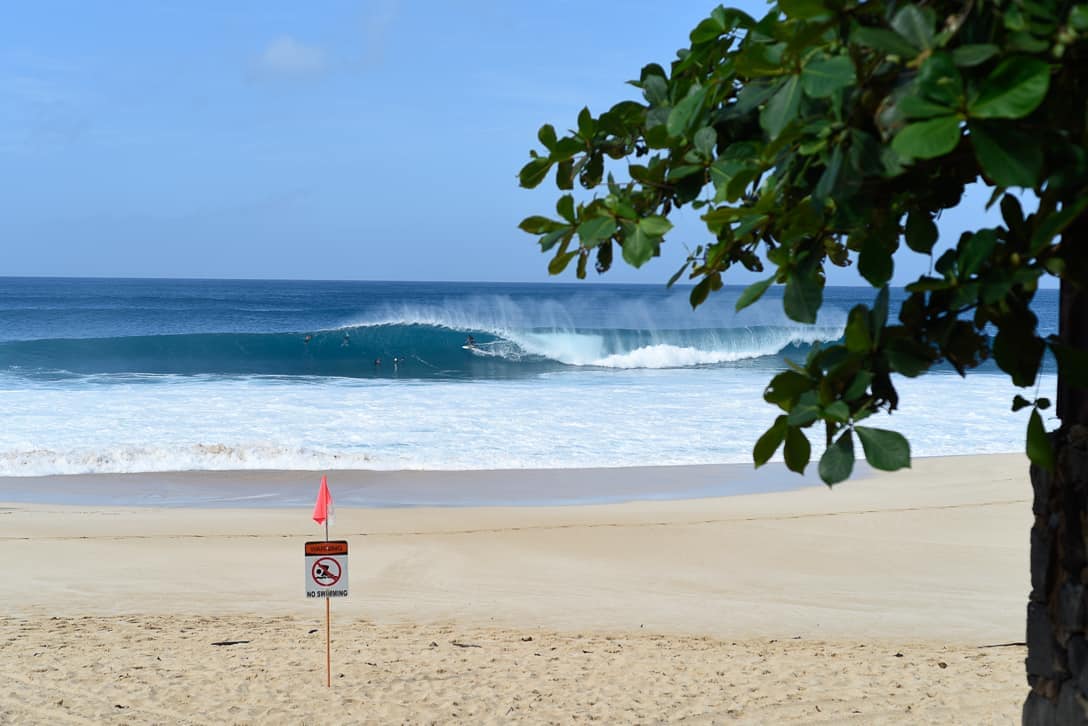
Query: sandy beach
column 892, row 599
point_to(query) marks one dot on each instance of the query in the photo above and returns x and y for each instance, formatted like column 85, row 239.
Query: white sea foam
column 581, row 418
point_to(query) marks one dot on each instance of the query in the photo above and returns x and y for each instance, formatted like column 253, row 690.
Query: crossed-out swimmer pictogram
column 326, row 572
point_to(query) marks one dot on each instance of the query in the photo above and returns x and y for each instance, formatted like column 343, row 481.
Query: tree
column 832, row 132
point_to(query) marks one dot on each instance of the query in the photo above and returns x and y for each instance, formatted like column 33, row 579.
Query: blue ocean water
column 126, row 375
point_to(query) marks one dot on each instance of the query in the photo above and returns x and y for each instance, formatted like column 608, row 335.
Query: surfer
column 346, row 341
column 308, row 338
column 470, row 342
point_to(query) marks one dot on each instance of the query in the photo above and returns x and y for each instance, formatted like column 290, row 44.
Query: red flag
column 323, row 506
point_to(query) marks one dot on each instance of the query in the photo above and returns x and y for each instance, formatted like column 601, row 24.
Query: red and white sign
column 327, row 569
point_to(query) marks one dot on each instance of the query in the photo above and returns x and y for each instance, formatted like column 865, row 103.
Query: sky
column 362, row 139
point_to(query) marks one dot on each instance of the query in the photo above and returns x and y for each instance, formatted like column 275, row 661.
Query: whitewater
column 118, row 376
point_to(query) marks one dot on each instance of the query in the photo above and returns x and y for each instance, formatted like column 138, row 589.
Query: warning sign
column 327, row 569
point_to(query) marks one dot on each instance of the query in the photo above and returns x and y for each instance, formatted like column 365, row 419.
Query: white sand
column 677, row 603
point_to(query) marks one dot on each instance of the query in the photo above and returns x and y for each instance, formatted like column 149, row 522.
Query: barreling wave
column 407, row 348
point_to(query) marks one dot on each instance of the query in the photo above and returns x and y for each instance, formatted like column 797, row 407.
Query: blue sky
column 374, row 139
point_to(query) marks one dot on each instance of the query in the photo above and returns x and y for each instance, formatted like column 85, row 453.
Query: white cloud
column 285, row 56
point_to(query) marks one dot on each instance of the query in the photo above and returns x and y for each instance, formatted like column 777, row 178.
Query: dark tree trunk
column 1057, row 627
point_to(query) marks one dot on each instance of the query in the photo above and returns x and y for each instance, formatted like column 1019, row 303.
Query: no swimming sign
column 327, row 569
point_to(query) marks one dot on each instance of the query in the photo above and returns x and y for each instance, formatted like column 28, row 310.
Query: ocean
column 102, row 376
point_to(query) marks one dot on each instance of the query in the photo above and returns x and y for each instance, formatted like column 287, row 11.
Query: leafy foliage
column 830, row 132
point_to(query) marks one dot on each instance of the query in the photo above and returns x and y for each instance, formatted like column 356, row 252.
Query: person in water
column 470, row 342
column 308, row 338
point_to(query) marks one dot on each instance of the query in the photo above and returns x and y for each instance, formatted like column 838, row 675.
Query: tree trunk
column 1057, row 627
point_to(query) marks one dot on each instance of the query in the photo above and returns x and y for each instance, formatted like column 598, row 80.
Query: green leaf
column 1038, row 444
column 1007, row 157
column 1018, row 352
column 968, row 56
column 858, row 337
column 549, row 240
column 917, row 107
column 708, row 29
column 752, row 293
column 803, row 296
column 875, row 260
column 699, row 293
column 879, row 317
column 837, row 463
column 1055, row 223
column 560, row 262
column 920, row 232
column 676, row 275
column 595, row 229
column 639, row 247
column 787, row 387
column 547, row 136
column 655, row 226
column 884, row 450
column 1019, row 402
column 829, row 180
column 805, row 411
column 908, row 357
column 821, row 78
column 534, row 172
column 803, row 9
column 858, row 386
column 705, row 140
column 837, row 411
column 797, row 451
column 782, row 108
column 940, row 81
column 586, row 125
column 885, row 40
column 681, row 115
column 540, row 225
column 928, row 139
column 565, row 207
column 974, row 251
column 1013, row 90
column 916, row 24
column 685, row 170
column 1078, row 17
column 656, row 90
column 769, row 442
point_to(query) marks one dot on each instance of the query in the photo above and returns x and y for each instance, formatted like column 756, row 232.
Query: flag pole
column 328, row 626
column 322, row 510
column 328, row 648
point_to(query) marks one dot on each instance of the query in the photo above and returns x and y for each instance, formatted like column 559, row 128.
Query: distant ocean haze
column 111, row 376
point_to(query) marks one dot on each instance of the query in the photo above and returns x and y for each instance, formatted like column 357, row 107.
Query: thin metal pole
column 328, row 650
column 328, row 627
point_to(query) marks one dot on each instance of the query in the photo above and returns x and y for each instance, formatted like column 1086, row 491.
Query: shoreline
column 402, row 488
column 371, row 488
